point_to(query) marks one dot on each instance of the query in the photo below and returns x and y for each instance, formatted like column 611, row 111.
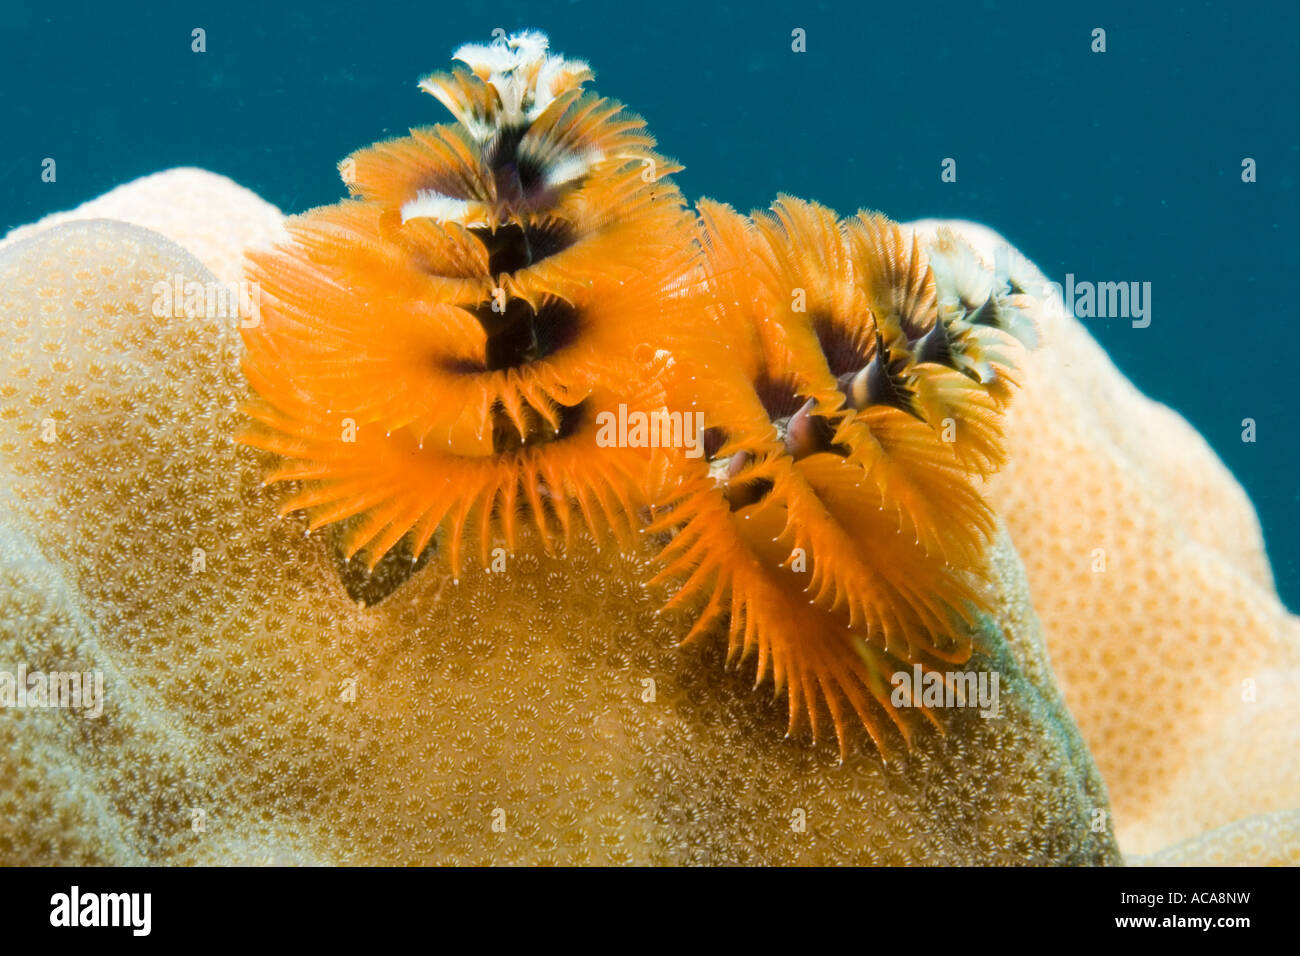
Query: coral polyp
column 442, row 352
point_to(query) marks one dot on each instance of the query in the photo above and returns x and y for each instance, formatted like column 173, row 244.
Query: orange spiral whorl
column 440, row 347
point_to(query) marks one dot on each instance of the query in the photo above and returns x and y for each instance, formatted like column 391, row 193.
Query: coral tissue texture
column 543, row 713
column 212, row 217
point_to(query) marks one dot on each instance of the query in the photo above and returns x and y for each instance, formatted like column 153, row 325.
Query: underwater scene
column 578, row 434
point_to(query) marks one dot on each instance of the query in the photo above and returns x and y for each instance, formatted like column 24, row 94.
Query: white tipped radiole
column 523, row 78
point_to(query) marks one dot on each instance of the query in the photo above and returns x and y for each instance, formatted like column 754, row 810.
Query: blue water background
column 1122, row 166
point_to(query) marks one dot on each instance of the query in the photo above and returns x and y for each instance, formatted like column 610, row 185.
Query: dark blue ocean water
column 1122, row 166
